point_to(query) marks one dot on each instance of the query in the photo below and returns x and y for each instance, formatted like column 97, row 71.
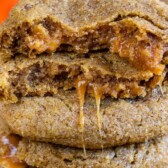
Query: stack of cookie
column 84, row 84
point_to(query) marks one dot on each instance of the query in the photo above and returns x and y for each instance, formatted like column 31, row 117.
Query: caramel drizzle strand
column 98, row 95
column 81, row 86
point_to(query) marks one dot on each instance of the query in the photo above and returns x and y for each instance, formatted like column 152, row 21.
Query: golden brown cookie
column 103, row 74
column 57, row 119
column 135, row 30
column 152, row 153
column 149, row 154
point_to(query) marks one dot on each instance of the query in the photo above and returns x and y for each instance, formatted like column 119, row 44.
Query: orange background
column 5, row 7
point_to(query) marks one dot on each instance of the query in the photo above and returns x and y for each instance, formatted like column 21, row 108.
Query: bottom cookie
column 151, row 154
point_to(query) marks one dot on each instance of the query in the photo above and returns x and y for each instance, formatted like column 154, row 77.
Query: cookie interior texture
column 102, row 74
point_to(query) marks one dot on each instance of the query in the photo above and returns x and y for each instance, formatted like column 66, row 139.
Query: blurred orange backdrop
column 5, row 7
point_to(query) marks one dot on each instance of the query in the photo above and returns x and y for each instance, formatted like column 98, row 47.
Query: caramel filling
column 43, row 84
column 144, row 52
column 46, row 77
column 142, row 49
column 9, row 159
column 81, row 86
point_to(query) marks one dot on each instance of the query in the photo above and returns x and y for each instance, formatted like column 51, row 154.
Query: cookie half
column 135, row 30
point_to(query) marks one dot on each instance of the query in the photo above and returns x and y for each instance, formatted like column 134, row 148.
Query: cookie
column 149, row 154
column 57, row 119
column 102, row 74
column 35, row 27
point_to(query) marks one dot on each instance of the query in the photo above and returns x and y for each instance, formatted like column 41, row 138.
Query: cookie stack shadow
column 84, row 84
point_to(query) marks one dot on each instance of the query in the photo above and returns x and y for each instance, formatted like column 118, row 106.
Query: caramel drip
column 98, row 95
column 9, row 159
column 81, row 86
column 141, row 50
